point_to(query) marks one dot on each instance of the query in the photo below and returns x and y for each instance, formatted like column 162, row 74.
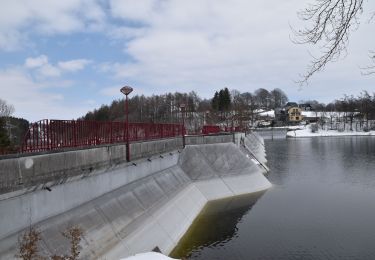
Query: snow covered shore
column 306, row 132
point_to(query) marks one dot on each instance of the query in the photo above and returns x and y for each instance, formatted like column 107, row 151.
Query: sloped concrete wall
column 132, row 208
column 41, row 204
column 255, row 144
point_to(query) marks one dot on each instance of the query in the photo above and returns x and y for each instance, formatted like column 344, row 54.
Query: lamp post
column 126, row 90
column 182, row 106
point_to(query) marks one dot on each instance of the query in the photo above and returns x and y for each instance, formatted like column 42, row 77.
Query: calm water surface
column 322, row 206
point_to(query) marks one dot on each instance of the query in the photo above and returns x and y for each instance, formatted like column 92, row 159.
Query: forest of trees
column 350, row 108
column 363, row 105
column 166, row 107
column 226, row 108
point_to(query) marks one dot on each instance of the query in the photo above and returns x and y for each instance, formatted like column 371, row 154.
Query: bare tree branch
column 368, row 70
column 332, row 21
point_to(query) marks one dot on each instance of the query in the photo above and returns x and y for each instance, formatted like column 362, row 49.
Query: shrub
column 314, row 128
column 29, row 242
column 28, row 245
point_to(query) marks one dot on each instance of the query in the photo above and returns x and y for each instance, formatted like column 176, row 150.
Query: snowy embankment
column 306, row 132
column 149, row 256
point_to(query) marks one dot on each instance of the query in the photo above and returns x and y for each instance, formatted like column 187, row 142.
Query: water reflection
column 223, row 215
column 321, row 207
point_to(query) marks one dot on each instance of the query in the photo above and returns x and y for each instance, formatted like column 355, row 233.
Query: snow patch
column 306, row 132
column 148, row 256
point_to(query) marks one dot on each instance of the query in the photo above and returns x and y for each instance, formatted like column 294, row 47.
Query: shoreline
column 300, row 133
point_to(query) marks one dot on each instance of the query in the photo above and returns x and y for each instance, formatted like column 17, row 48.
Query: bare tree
column 278, row 98
column 5, row 111
column 251, row 104
column 5, row 108
column 331, row 21
column 263, row 98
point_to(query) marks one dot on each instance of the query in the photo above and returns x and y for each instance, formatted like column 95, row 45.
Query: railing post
column 147, row 131
column 136, row 131
column 111, row 138
column 48, row 135
column 96, row 133
column 75, row 134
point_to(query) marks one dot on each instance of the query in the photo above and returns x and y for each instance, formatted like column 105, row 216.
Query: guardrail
column 46, row 135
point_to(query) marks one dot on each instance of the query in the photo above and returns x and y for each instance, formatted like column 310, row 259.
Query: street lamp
column 126, row 90
column 182, row 106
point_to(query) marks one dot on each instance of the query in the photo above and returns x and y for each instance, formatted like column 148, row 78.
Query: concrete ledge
column 27, row 174
column 209, row 139
column 272, row 133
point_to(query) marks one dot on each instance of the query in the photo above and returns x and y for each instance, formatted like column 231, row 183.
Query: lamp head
column 126, row 90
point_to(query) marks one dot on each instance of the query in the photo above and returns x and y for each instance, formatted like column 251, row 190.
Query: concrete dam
column 123, row 207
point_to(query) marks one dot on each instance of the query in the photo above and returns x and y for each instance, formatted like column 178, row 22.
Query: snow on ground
column 306, row 132
column 270, row 113
column 148, row 256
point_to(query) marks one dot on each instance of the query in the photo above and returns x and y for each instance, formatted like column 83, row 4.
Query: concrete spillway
column 144, row 205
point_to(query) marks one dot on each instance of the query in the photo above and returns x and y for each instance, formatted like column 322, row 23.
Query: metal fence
column 46, row 135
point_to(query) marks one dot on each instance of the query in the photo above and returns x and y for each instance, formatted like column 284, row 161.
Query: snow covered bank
column 306, row 132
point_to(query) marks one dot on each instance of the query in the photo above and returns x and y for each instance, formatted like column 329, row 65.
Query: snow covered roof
column 270, row 113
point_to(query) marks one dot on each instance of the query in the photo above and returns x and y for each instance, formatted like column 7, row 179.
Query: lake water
column 322, row 206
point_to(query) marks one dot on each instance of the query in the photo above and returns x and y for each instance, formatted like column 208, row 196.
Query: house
column 311, row 116
column 294, row 114
column 291, row 104
column 290, row 113
column 305, row 107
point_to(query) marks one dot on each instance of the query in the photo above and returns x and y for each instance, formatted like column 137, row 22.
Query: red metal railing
column 47, row 134
column 210, row 129
column 214, row 129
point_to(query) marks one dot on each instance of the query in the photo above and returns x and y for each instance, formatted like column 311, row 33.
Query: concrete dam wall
column 272, row 133
column 127, row 208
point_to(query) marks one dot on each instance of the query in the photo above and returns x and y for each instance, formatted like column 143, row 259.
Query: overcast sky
column 59, row 59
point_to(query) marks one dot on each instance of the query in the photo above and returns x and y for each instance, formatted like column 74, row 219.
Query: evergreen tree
column 4, row 138
column 226, row 99
column 215, row 101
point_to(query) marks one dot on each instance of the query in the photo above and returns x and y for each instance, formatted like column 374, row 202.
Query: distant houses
column 293, row 113
column 305, row 107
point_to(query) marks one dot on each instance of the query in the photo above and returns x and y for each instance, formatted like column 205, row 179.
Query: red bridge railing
column 48, row 135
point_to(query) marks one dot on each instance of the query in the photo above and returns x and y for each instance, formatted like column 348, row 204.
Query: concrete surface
column 255, row 147
column 209, row 139
column 272, row 133
column 27, row 174
column 129, row 208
